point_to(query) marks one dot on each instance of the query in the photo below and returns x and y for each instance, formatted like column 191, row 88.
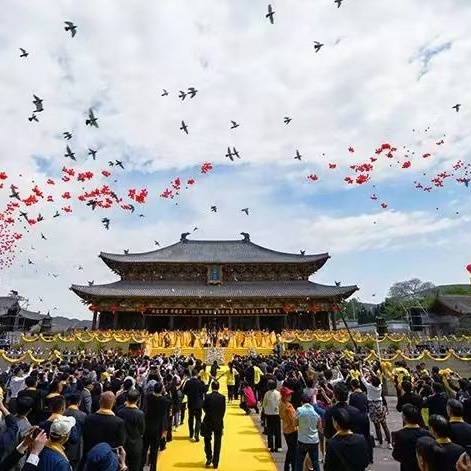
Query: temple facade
column 213, row 283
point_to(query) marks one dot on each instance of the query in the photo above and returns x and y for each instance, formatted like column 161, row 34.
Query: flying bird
column 14, row 192
column 30, row 262
column 126, row 251
column 38, row 102
column 24, row 215
column 67, row 135
column 106, row 223
column 229, row 154
column 235, row 153
column 92, row 204
column 184, row 127
column 339, row 3
column 234, row 124
column 33, row 117
column 192, row 92
column 69, row 154
column 182, row 95
column 156, row 243
column 245, row 210
column 338, row 283
column 457, row 107
column 43, row 236
column 110, row 163
column 56, row 215
column 118, row 163
column 302, row 252
column 298, row 155
column 92, row 120
column 91, row 283
column 165, row 93
column 24, row 53
column 287, row 120
column 317, row 46
column 271, row 14
column 71, row 27
column 214, row 209
column 93, row 153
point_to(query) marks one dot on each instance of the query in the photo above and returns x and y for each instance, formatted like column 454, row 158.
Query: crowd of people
column 113, row 412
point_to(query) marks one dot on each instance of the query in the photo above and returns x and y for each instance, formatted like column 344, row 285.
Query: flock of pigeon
column 26, row 208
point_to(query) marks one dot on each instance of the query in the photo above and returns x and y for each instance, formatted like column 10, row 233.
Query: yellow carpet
column 242, row 445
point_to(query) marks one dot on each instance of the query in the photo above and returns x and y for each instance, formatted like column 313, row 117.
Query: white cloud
column 361, row 91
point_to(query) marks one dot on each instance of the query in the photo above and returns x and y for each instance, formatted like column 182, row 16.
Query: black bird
column 69, row 154
column 234, row 124
column 56, row 215
column 157, row 243
column 457, row 107
column 466, row 182
column 317, row 46
column 71, row 27
column 184, row 127
column 192, row 92
column 182, row 95
column 30, row 262
column 118, row 163
column 141, row 216
column 214, row 209
column 165, row 93
column 302, row 252
column 270, row 15
column 40, row 218
column 338, row 283
column 126, row 251
column 91, row 283
column 131, row 208
column 14, row 193
column 106, row 223
column 339, row 3
column 92, row 120
column 298, row 155
column 33, row 117
column 93, row 153
column 24, row 53
column 92, row 203
column 245, row 210
column 195, row 229
column 229, row 154
column 79, row 267
column 110, row 163
column 67, row 135
column 43, row 236
column 287, row 120
column 38, row 102
column 24, row 215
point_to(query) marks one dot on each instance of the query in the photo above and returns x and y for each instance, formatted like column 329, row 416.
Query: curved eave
column 249, row 290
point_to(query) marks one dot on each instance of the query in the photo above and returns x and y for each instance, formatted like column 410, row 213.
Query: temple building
column 222, row 283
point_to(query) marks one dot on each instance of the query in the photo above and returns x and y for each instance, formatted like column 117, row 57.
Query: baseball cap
column 62, row 426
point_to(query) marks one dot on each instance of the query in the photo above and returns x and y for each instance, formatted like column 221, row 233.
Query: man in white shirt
column 271, row 409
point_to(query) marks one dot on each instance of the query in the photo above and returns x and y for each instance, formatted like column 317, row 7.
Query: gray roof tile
column 214, row 251
column 227, row 290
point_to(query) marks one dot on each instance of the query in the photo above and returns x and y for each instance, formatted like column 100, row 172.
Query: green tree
column 410, row 288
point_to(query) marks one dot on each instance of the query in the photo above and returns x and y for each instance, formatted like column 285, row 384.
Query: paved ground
column 383, row 460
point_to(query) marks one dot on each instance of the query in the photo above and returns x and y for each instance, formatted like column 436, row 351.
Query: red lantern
column 142, row 309
column 314, row 308
column 114, row 308
column 93, row 308
column 468, row 267
column 287, row 308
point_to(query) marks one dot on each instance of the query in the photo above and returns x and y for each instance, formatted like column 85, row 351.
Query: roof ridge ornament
column 183, row 237
column 246, row 236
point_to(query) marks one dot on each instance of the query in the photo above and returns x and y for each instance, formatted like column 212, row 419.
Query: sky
column 389, row 72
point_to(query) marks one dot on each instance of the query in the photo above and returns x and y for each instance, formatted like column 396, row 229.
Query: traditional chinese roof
column 30, row 315
column 251, row 289
column 6, row 304
column 459, row 304
column 213, row 252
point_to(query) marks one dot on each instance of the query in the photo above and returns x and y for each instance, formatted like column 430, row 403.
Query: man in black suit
column 404, row 440
column 460, row 431
column 104, row 426
column 214, row 409
column 195, row 389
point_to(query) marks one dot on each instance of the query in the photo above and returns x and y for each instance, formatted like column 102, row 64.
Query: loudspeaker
column 415, row 316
